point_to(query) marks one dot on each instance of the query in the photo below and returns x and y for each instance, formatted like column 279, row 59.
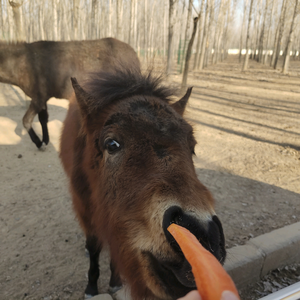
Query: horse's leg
column 92, row 245
column 27, row 123
column 115, row 282
column 43, row 118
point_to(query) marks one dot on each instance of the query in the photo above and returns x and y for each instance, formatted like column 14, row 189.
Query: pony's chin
column 176, row 278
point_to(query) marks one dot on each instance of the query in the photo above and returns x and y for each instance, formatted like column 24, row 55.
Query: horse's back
column 58, row 61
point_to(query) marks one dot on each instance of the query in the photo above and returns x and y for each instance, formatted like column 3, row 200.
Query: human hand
column 194, row 295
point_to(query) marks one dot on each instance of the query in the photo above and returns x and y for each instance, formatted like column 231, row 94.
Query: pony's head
column 140, row 152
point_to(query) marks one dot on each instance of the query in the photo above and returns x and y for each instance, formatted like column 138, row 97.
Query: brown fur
column 121, row 197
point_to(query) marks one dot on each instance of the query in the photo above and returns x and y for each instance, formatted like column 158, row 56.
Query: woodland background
column 265, row 29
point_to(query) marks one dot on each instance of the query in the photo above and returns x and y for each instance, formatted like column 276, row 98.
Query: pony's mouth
column 176, row 278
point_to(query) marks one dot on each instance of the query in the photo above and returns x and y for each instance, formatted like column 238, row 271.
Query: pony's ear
column 180, row 105
column 81, row 95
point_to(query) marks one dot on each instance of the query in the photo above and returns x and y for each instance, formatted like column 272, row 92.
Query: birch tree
column 211, row 27
column 187, row 28
column 204, row 39
column 280, row 33
column 1, row 21
column 246, row 60
column 263, row 33
column 242, row 29
column 188, row 55
column 172, row 13
column 285, row 67
column 199, row 38
column 54, row 13
column 269, row 31
column 17, row 16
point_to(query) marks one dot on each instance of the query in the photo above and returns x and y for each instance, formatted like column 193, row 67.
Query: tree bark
column 17, row 16
column 172, row 12
column 119, row 18
column 200, row 36
column 204, row 40
column 262, row 34
column 242, row 30
column 145, row 29
column 285, row 67
column 219, row 29
column 54, row 14
column 131, row 24
column 1, row 21
column 93, row 19
column 187, row 28
column 268, row 34
column 246, row 60
column 280, row 33
column 188, row 56
column 75, row 19
column 208, row 51
column 257, row 27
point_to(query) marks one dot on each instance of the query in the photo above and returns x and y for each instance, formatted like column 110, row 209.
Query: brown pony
column 128, row 153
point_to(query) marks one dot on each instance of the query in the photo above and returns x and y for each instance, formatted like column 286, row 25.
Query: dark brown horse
column 128, row 153
column 43, row 70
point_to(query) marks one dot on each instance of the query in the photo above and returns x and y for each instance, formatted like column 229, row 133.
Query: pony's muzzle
column 208, row 232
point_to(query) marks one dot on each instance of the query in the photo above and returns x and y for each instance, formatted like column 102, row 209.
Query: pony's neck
column 12, row 63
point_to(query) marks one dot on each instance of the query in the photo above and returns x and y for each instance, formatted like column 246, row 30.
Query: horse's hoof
column 114, row 289
column 43, row 147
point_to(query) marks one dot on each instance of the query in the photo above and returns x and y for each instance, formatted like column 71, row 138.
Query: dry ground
column 248, row 154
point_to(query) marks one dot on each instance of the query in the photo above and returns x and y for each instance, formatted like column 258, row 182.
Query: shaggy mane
column 107, row 87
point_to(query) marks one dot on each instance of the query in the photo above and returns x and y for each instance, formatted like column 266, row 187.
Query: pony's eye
column 112, row 146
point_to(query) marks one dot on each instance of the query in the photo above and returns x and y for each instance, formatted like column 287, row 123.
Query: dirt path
column 247, row 126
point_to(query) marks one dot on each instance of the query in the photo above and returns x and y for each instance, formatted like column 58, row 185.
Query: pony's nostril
column 210, row 234
column 172, row 215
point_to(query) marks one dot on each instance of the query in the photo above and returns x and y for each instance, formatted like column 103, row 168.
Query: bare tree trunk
column 262, row 34
column 204, row 40
column 221, row 30
column 187, row 28
column 230, row 15
column 210, row 30
column 1, row 21
column 269, row 32
column 65, row 32
column 285, row 67
column 165, row 31
column 17, row 16
column 200, row 36
column 246, row 60
column 188, row 56
column 275, row 46
column 41, row 25
column 110, row 18
column 217, row 33
column 54, row 13
column 172, row 13
column 119, row 18
column 93, row 19
column 256, row 29
column 145, row 29
column 150, row 34
column 135, row 36
column 75, row 19
column 280, row 33
column 242, row 30
column 131, row 25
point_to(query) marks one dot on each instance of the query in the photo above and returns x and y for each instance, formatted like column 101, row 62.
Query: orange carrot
column 210, row 277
